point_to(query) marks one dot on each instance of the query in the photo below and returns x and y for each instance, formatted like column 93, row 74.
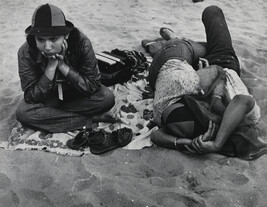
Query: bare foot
column 155, row 47
column 167, row 33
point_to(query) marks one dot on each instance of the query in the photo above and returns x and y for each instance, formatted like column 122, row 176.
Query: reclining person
column 172, row 76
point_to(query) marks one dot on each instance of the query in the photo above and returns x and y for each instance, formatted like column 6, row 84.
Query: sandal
column 108, row 142
column 165, row 33
column 80, row 140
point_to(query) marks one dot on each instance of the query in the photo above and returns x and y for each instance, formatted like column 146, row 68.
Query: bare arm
column 234, row 113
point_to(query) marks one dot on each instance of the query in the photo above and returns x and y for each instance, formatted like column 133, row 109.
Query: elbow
column 154, row 138
column 28, row 99
column 217, row 146
column 247, row 101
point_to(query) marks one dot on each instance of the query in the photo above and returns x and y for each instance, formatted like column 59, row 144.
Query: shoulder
column 77, row 39
column 24, row 50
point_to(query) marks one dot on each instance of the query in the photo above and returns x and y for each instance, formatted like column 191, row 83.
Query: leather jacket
column 82, row 78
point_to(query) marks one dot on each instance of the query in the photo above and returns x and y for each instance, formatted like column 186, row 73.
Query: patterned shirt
column 175, row 79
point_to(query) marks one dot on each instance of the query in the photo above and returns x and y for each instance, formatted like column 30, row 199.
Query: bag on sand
column 118, row 66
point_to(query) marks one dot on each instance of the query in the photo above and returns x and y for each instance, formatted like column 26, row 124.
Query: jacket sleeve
column 35, row 85
column 85, row 77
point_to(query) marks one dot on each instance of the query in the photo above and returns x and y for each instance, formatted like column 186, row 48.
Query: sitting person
column 173, row 77
column 59, row 76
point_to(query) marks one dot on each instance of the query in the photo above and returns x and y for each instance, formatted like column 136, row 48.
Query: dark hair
column 72, row 40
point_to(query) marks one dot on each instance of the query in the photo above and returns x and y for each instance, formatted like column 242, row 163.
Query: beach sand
column 149, row 177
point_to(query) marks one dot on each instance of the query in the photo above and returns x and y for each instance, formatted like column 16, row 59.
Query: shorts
column 254, row 114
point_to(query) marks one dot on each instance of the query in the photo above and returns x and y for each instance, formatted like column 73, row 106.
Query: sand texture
column 148, row 177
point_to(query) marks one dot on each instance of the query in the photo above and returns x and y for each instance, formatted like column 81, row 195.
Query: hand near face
column 60, row 56
column 53, row 48
column 52, row 63
column 51, row 67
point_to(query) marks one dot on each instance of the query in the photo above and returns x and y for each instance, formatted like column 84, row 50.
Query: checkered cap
column 49, row 20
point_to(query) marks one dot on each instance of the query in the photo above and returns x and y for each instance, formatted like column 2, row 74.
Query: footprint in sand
column 238, row 179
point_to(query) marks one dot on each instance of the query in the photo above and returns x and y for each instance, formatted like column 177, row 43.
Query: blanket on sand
column 133, row 107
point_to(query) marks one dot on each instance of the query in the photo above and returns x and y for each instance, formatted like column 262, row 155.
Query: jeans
column 219, row 43
column 62, row 116
column 218, row 50
column 173, row 49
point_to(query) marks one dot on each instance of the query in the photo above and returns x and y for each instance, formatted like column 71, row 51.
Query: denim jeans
column 68, row 115
column 218, row 49
column 173, row 49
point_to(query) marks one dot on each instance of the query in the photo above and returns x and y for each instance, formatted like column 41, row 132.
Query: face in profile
column 49, row 45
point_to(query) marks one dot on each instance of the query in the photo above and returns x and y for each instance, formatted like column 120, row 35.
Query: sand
column 147, row 177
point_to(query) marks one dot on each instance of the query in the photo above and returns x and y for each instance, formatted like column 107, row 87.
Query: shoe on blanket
column 80, row 140
column 108, row 142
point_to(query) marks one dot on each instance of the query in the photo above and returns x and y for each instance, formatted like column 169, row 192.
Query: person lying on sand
column 59, row 76
column 172, row 76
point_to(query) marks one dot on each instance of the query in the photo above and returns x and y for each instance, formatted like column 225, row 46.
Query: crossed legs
column 69, row 115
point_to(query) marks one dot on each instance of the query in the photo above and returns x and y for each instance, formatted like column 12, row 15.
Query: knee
column 21, row 113
column 109, row 99
column 211, row 11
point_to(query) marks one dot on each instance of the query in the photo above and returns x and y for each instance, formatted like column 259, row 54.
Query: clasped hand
column 204, row 143
column 57, row 60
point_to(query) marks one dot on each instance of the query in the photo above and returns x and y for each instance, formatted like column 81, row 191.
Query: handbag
column 118, row 66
